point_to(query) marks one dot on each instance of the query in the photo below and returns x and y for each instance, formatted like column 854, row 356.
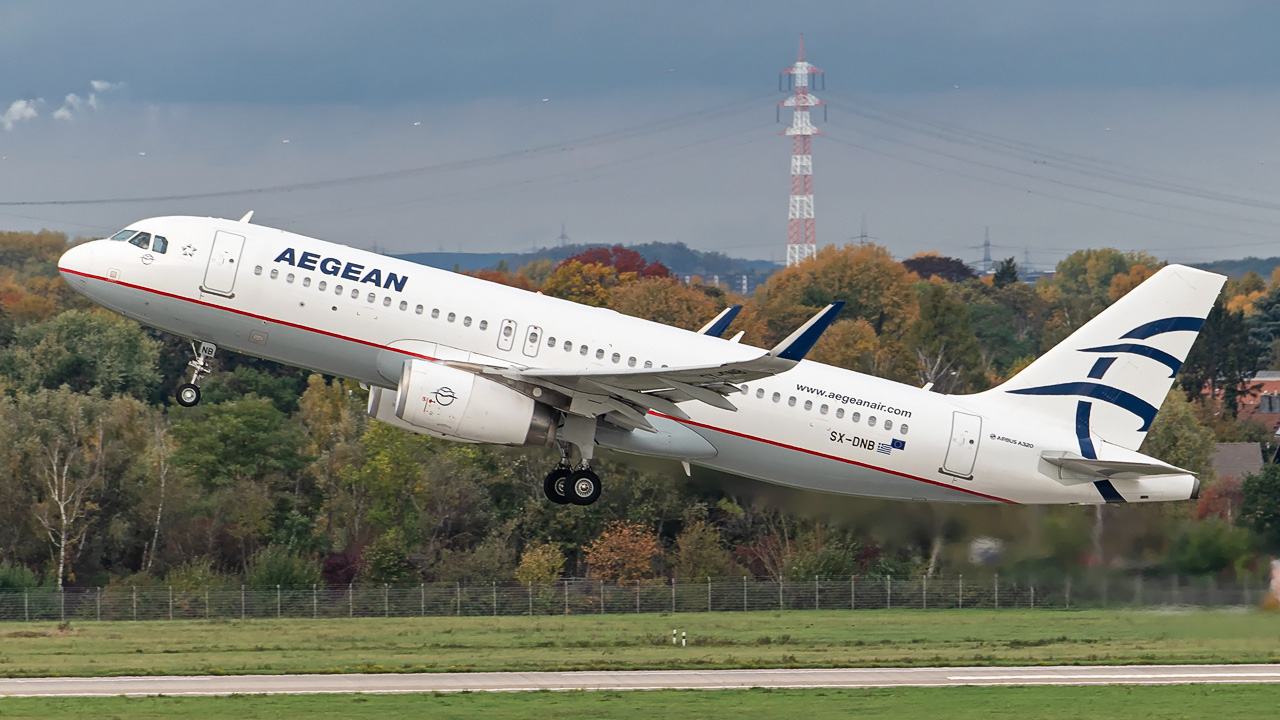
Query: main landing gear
column 188, row 394
column 566, row 484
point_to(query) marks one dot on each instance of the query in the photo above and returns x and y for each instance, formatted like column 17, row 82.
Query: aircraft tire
column 583, row 487
column 555, row 484
column 188, row 395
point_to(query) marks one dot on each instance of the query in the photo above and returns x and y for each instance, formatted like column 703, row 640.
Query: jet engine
column 445, row 401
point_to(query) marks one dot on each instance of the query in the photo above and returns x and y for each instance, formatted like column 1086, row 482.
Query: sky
column 487, row 126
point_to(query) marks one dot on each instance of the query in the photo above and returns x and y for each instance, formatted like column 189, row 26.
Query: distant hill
column 678, row 257
column 1237, row 268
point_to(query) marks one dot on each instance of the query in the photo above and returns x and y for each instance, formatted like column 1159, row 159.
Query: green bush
column 1209, row 547
column 277, row 565
column 17, row 577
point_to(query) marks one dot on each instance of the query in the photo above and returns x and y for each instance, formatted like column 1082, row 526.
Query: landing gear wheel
column 188, row 395
column 556, row 485
column 584, row 487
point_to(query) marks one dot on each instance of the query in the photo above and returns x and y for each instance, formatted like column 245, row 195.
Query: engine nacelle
column 458, row 404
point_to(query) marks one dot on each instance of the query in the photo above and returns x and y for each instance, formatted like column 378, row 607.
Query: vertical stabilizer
column 1110, row 376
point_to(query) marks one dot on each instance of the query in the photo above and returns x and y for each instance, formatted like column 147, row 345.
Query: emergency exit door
column 224, row 261
column 966, row 435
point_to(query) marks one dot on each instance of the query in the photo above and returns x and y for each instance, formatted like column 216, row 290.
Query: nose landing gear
column 188, row 394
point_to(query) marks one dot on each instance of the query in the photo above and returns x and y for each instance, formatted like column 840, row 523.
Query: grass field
column 716, row 640
column 1221, row 702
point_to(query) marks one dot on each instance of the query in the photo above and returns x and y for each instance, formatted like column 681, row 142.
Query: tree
column 929, row 265
column 540, row 564
column 248, row 440
column 1260, row 511
column 665, row 300
column 85, row 351
column 623, row 553
column 624, row 260
column 1006, row 273
column 1224, row 357
column 386, row 559
column 585, row 283
column 946, row 351
column 700, row 552
column 1178, row 438
column 67, row 445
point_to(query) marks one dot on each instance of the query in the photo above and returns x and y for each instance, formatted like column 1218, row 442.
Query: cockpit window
column 123, row 235
column 142, row 240
column 160, row 244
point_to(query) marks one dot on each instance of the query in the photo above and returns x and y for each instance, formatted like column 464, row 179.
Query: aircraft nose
column 76, row 263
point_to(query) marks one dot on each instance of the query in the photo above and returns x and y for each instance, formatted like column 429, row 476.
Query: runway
column 639, row 680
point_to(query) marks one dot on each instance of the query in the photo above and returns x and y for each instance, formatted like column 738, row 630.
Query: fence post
column 1068, row 591
column 422, row 595
column 386, row 600
column 457, row 595
column 62, row 603
column 242, row 602
column 924, row 593
column 566, row 596
column 673, row 593
column 315, row 601
column 1033, row 594
column 853, row 592
column 637, row 597
column 995, row 584
column 1137, row 590
column 816, row 602
column 1106, row 584
column 601, row 589
column 495, row 597
column 98, row 603
column 708, row 593
column 206, row 603
column 135, row 603
column 530, row 598
column 351, row 603
column 26, row 606
column 960, row 593
column 744, row 593
column 780, row 605
column 1174, row 584
column 277, row 601
column 888, row 593
column 170, row 602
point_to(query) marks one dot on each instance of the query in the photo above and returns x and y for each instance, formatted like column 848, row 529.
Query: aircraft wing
column 626, row 396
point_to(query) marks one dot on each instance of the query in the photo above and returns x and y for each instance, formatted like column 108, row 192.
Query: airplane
column 460, row 358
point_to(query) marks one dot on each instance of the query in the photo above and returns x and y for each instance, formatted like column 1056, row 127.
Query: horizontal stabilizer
column 721, row 322
column 1080, row 469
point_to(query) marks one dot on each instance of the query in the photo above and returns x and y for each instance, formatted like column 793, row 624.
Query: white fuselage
column 360, row 315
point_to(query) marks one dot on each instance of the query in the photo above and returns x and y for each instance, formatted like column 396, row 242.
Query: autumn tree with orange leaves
column 623, row 553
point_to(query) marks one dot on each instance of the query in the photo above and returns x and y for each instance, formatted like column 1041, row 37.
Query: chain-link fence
column 575, row 596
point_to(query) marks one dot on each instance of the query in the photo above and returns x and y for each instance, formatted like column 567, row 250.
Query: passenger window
column 452, row 317
column 274, row 273
column 507, row 330
column 337, row 289
column 888, row 424
column 871, row 421
column 808, row 404
column 484, row 325
column 600, row 354
column 321, row 287
column 648, row 363
column 289, row 278
column 791, row 401
column 418, row 310
column 371, row 298
column 404, row 306
column 386, row 301
column 902, row 429
column 142, row 240
column 466, row 321
column 582, row 351
column 257, row 270
column 839, row 412
column 760, row 393
column 306, row 281
column 435, row 313
column 631, row 362
column 551, row 341
column 744, row 390
column 823, row 409
column 856, row 417
column 160, row 245
column 355, row 293
column 568, row 345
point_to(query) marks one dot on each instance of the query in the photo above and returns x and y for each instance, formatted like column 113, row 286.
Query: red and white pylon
column 801, row 239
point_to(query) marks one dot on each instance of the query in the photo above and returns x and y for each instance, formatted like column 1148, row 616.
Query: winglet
column 720, row 323
column 799, row 343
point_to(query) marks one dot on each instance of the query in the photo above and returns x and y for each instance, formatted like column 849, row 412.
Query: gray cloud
column 19, row 110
